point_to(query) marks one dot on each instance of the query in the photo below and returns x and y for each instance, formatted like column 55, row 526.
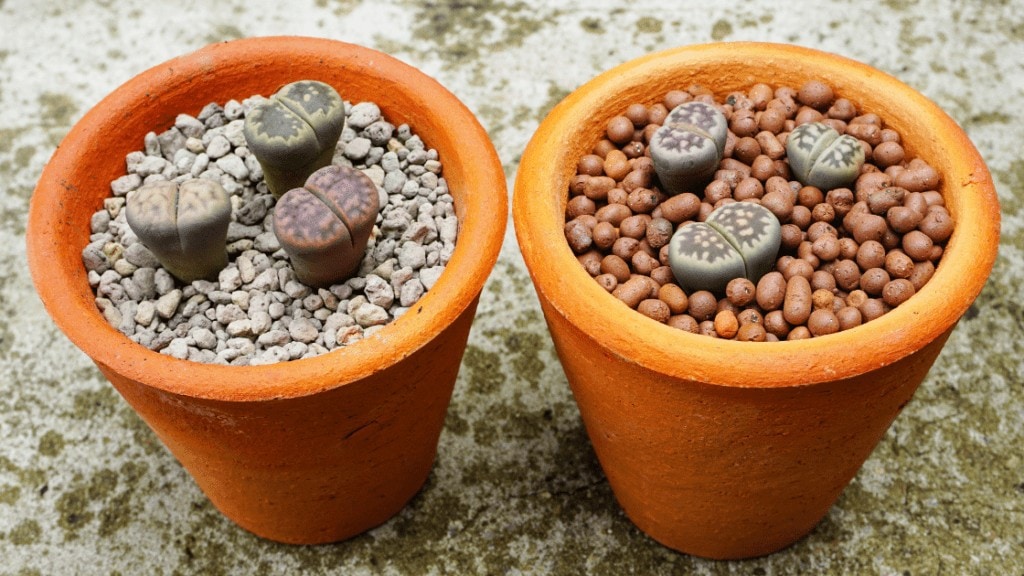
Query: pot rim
column 549, row 162
column 471, row 167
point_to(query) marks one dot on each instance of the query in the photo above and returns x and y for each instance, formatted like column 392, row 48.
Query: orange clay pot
column 728, row 449
column 307, row 451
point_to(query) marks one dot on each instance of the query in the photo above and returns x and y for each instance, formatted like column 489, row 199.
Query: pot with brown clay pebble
column 737, row 445
column 316, row 449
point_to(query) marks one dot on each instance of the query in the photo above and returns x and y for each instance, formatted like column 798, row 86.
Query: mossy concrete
column 86, row 488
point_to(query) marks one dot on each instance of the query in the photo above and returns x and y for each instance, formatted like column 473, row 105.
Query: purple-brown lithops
column 688, row 147
column 737, row 240
column 325, row 225
column 294, row 132
column 819, row 156
column 184, row 225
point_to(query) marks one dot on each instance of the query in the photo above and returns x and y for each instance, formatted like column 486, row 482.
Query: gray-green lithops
column 294, row 132
column 688, row 147
column 819, row 156
column 325, row 225
column 184, row 225
column 737, row 240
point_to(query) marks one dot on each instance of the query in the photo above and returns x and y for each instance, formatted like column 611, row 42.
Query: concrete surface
column 85, row 488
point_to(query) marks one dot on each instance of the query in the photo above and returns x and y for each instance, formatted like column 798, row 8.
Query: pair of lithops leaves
column 688, row 147
column 737, row 240
column 819, row 156
column 295, row 132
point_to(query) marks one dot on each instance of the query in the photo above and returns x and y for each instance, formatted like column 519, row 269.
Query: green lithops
column 819, row 156
column 688, row 147
column 325, row 225
column 737, row 240
column 295, row 132
column 184, row 225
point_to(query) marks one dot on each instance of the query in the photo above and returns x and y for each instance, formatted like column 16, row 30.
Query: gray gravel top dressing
column 256, row 312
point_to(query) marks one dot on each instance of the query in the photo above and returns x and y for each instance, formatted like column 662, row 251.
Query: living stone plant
column 688, row 147
column 737, row 240
column 294, row 133
column 184, row 225
column 819, row 156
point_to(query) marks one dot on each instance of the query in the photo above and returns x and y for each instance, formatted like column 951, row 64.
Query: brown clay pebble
column 726, row 324
column 848, row 317
column 591, row 262
column 749, row 316
column 822, row 322
column 872, row 281
column 917, row 245
column 607, row 281
column 822, row 298
column 937, row 225
column 871, row 254
column 674, row 297
column 654, row 309
column 872, row 308
column 903, row 219
column 591, row 165
column 634, row 227
column 616, row 266
column 751, row 333
column 771, row 291
column 702, row 305
column 707, row 328
column 616, row 165
column 797, row 304
column 578, row 206
column 775, row 323
column 897, row 292
column 642, row 200
column 663, row 275
column 632, row 292
column 922, row 273
column 680, row 208
column 625, row 247
column 823, row 280
column 578, row 236
column 659, row 232
column 620, row 130
column 816, row 94
column 898, row 264
column 604, row 235
column 637, row 113
column 847, row 274
column 740, row 291
column 684, row 322
column 799, row 333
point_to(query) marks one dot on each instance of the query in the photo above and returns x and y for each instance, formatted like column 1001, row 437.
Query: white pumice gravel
column 256, row 312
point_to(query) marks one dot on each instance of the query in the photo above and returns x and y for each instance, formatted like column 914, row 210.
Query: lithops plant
column 184, row 225
column 325, row 225
column 294, row 132
column 737, row 240
column 819, row 156
column 688, row 147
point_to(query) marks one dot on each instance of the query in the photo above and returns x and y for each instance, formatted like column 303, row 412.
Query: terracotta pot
column 729, row 449
column 313, row 450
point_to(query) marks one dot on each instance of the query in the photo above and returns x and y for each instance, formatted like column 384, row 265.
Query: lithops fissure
column 325, row 225
column 688, row 147
column 819, row 156
column 184, row 225
column 294, row 132
column 737, row 240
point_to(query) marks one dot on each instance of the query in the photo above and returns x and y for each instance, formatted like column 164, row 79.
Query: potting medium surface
column 86, row 487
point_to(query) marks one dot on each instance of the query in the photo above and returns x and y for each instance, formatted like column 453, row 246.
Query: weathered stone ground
column 85, row 488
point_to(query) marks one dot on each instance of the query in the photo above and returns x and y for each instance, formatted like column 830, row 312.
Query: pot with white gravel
column 316, row 449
